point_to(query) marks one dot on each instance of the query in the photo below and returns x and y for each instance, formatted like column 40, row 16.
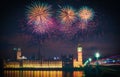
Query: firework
column 67, row 15
column 86, row 13
column 67, row 32
column 82, row 25
column 39, row 15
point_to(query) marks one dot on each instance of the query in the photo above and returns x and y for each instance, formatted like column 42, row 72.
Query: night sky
column 104, row 39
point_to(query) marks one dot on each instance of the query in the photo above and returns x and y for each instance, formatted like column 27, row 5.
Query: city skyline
column 105, row 37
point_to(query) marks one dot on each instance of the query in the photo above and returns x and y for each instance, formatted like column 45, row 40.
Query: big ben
column 79, row 52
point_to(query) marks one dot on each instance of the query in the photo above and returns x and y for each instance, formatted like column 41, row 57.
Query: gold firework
column 67, row 15
column 39, row 14
column 85, row 13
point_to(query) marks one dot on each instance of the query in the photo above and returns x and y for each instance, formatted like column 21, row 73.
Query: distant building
column 66, row 62
column 14, row 57
column 79, row 51
column 19, row 54
column 78, row 62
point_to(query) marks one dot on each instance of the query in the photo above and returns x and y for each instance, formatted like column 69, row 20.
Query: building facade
column 65, row 62
column 79, row 61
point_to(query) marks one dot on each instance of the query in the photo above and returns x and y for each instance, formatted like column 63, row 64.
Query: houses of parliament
column 66, row 61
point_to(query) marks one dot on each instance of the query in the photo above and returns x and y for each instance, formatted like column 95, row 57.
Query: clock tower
column 79, row 52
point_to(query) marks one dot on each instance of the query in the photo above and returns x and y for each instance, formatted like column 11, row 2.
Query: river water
column 27, row 73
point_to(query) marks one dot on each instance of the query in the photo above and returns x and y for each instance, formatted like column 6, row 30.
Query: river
column 36, row 73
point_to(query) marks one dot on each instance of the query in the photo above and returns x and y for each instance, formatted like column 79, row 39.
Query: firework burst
column 67, row 15
column 39, row 16
column 85, row 13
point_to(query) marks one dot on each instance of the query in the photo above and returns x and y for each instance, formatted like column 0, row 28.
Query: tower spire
column 79, row 52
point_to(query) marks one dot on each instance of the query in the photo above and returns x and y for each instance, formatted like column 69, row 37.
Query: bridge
column 109, row 61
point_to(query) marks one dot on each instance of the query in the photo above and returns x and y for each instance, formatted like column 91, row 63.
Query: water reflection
column 14, row 73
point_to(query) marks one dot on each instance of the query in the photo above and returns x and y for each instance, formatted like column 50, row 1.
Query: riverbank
column 56, row 69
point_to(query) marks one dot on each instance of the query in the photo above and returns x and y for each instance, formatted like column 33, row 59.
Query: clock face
column 79, row 49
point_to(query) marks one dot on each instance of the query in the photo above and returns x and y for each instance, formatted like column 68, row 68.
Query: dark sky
column 105, row 38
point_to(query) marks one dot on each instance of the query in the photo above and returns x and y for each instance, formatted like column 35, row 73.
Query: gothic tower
column 79, row 52
column 19, row 54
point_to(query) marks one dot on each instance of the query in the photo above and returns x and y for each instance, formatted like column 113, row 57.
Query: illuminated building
column 79, row 51
column 33, row 64
column 19, row 54
column 65, row 62
column 78, row 62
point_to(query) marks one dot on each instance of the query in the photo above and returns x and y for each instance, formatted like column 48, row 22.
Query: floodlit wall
column 11, row 65
column 34, row 64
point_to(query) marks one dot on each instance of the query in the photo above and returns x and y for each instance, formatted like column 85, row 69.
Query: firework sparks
column 39, row 16
column 86, row 13
column 67, row 15
column 82, row 25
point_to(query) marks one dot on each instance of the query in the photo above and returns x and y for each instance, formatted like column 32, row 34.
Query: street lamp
column 90, row 59
column 97, row 55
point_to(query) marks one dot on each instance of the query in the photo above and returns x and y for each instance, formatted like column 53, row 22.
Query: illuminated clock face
column 79, row 49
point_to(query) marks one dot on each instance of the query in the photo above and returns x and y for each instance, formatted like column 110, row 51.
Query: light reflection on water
column 30, row 73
